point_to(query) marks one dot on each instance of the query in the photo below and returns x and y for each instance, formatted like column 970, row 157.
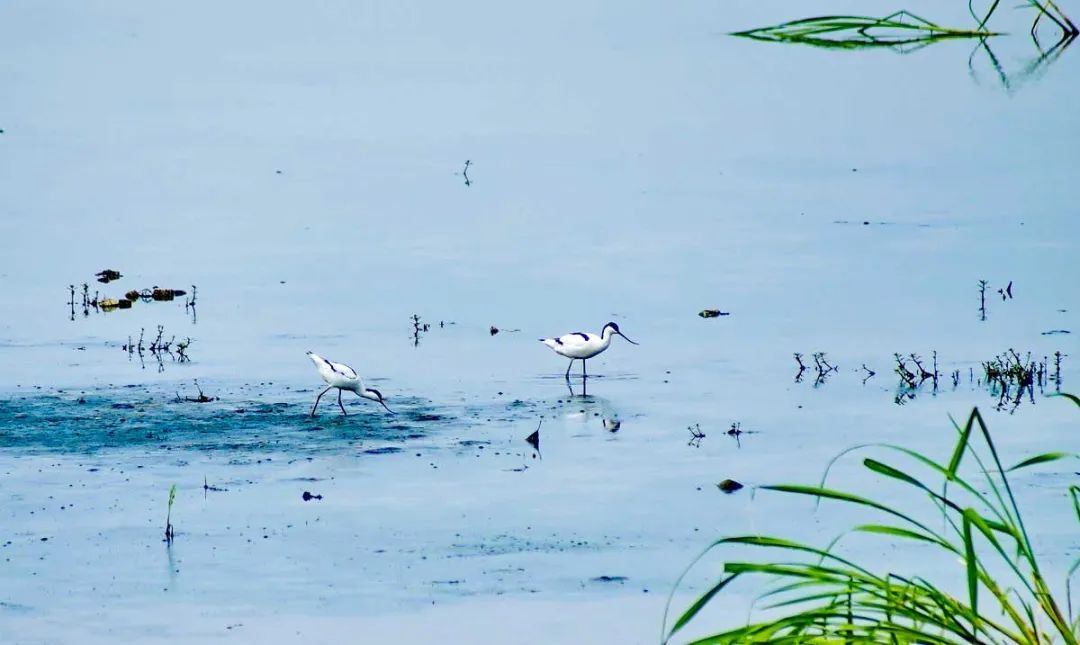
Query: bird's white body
column 580, row 344
column 344, row 378
column 337, row 375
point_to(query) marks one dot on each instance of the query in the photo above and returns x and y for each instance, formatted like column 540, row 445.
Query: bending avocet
column 342, row 377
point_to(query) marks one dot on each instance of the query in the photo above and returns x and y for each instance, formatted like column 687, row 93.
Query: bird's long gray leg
column 583, row 374
column 342, row 406
column 568, row 368
column 317, row 400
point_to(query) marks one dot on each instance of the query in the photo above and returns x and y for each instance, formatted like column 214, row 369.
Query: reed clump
column 901, row 28
column 970, row 515
column 857, row 32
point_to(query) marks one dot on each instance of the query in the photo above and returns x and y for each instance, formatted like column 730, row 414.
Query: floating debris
column 729, row 486
column 308, row 496
column 494, row 330
column 1055, row 332
column 102, row 304
column 160, row 294
column 713, row 313
column 618, row 579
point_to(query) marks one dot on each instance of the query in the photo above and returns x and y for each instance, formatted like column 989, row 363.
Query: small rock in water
column 494, row 330
column 308, row 496
column 729, row 486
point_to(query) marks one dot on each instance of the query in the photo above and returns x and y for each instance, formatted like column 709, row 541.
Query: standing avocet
column 342, row 377
column 581, row 346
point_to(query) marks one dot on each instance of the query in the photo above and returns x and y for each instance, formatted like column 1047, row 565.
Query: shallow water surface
column 302, row 167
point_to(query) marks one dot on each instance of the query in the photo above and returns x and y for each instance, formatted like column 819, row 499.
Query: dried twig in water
column 982, row 300
column 823, row 367
column 189, row 305
column 534, row 438
column 696, row 435
column 418, row 328
column 802, row 368
column 202, row 398
column 208, row 488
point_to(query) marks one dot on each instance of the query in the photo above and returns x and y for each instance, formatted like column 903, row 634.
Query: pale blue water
column 627, row 163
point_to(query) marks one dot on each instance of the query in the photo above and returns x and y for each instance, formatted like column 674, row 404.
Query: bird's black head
column 615, row 330
column 375, row 395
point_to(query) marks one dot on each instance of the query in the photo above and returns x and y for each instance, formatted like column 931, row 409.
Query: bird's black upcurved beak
column 387, row 408
column 627, row 339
